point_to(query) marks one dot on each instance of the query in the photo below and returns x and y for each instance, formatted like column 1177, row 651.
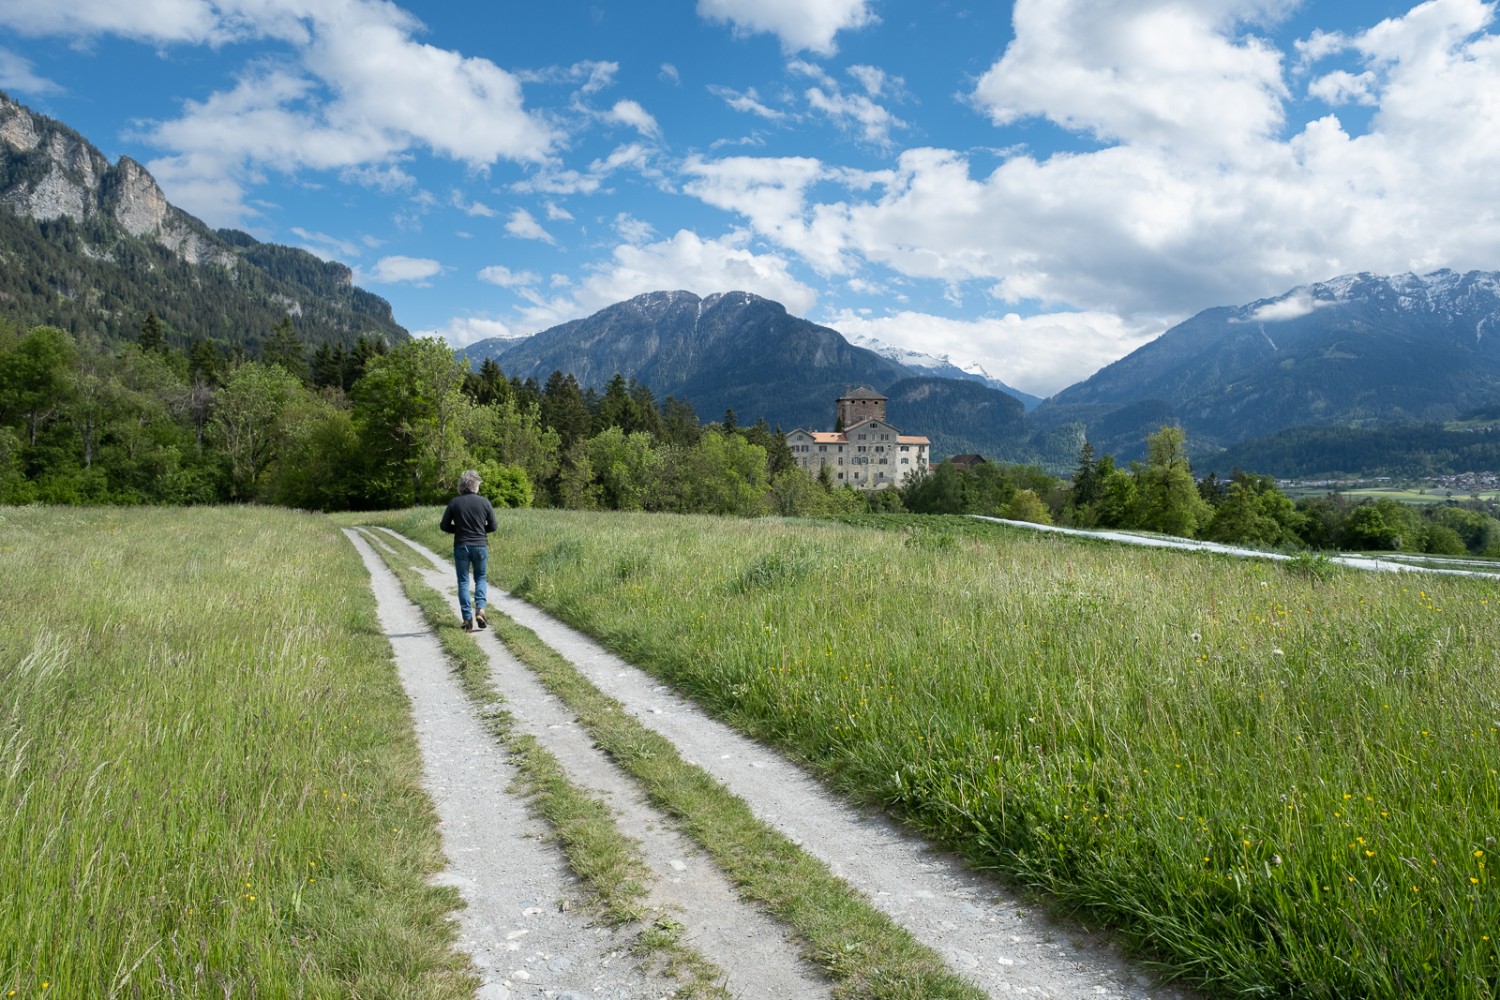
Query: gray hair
column 468, row 482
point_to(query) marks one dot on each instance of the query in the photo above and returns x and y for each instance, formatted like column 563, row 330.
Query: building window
column 885, row 461
column 822, row 447
column 906, row 447
column 841, row 475
column 906, row 461
column 880, row 447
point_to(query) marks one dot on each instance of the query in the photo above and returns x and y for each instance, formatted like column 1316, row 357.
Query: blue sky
column 1038, row 187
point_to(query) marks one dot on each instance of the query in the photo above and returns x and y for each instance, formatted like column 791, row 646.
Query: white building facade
column 868, row 453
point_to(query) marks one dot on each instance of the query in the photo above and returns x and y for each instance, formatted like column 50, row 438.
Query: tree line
column 372, row 426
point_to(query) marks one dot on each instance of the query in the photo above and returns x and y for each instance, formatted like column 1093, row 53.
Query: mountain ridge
column 735, row 350
column 90, row 245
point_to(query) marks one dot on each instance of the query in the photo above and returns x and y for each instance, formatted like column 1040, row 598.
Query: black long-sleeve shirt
column 469, row 518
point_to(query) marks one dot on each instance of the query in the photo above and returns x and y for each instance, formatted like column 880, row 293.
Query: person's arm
column 489, row 518
column 447, row 522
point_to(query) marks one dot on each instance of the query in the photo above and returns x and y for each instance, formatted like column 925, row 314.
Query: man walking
column 469, row 518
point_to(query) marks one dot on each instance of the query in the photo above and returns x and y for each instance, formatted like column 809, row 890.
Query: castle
column 867, row 451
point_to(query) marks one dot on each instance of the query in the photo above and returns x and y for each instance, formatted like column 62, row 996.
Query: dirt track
column 526, row 945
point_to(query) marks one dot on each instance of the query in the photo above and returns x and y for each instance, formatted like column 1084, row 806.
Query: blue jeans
column 475, row 558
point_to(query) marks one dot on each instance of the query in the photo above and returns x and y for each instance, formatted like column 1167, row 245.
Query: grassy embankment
column 207, row 771
column 1275, row 785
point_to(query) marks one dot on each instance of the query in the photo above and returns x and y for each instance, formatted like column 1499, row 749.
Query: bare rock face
column 68, row 178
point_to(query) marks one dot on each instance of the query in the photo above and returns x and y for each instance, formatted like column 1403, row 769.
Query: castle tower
column 863, row 403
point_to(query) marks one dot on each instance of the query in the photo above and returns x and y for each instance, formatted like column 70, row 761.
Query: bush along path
column 876, row 909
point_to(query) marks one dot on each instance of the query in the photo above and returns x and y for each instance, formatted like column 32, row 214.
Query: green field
column 1274, row 786
column 207, row 770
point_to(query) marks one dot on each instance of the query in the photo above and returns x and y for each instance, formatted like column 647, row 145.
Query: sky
column 1039, row 187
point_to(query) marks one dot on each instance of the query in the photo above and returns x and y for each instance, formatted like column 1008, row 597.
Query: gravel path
column 987, row 934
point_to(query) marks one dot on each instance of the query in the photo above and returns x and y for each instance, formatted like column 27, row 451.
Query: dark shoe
column 468, row 625
column 479, row 620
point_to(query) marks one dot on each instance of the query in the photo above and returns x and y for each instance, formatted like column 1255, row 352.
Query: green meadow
column 208, row 775
column 1273, row 780
column 1270, row 779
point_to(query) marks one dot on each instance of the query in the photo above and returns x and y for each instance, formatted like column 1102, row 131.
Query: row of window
column 824, row 447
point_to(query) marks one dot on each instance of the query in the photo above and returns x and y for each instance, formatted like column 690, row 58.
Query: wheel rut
column 986, row 934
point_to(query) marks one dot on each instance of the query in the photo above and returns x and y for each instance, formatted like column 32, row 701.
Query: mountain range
column 1360, row 350
column 95, row 247
column 738, row 351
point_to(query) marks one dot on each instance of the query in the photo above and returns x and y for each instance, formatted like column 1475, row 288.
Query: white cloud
column 352, row 89
column 873, row 122
column 1036, row 354
column 1156, row 73
column 192, row 21
column 556, row 213
column 632, row 114
column 1291, row 307
column 801, row 25
column 388, row 177
column 499, row 274
column 633, row 230
column 669, row 74
column 398, row 269
column 772, row 193
column 18, row 74
column 1342, row 87
column 523, row 225
column 461, row 331
column 685, row 261
column 326, row 246
column 749, row 102
column 1180, row 211
column 475, row 208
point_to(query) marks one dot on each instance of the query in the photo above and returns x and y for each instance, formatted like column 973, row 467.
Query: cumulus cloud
column 327, row 246
column 684, row 261
column 523, row 225
column 1200, row 193
column 801, row 25
column 398, row 269
column 1036, row 354
column 499, row 274
column 475, row 208
column 1149, row 72
column 352, row 89
column 18, row 74
column 192, row 21
column 461, row 331
column 748, row 102
column 632, row 114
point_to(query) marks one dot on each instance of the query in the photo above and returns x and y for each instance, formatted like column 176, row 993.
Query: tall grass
column 1276, row 784
column 207, row 770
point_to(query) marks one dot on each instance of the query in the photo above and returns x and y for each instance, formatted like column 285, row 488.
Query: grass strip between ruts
column 607, row 861
column 861, row 949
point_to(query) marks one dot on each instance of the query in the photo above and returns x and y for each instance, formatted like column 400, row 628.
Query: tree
column 410, row 411
column 626, row 466
column 565, row 410
column 247, row 425
column 152, row 337
column 36, row 371
column 1253, row 511
column 721, row 474
column 616, row 408
column 513, row 434
column 680, row 422
column 505, row 485
column 1167, row 498
column 286, row 349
